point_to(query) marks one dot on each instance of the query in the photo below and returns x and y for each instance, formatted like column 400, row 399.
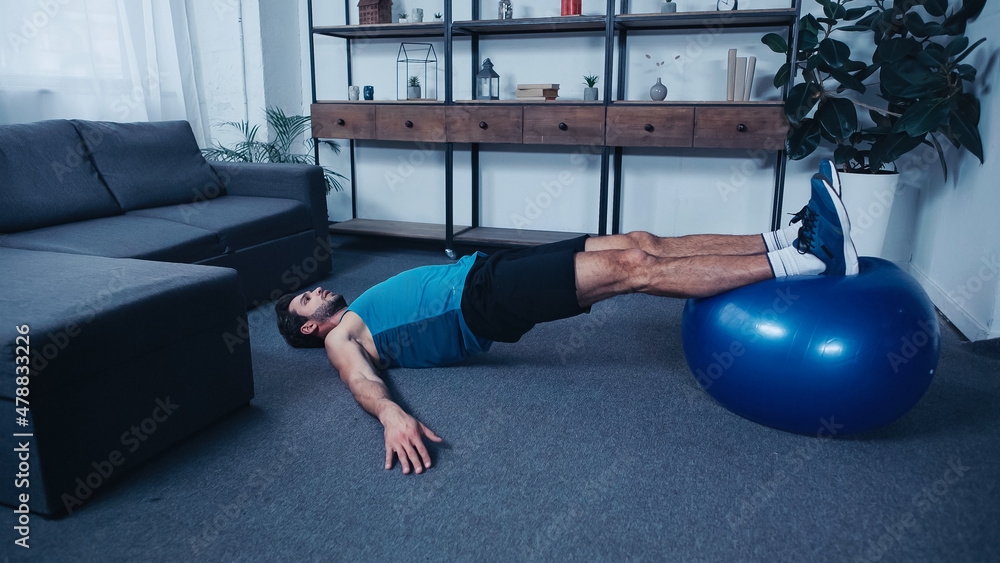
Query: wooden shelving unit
column 612, row 122
column 382, row 30
column 530, row 25
column 693, row 20
column 511, row 237
column 381, row 228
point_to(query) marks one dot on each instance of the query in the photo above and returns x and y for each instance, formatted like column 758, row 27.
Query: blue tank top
column 416, row 317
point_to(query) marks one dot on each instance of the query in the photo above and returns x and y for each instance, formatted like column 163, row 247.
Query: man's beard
column 329, row 308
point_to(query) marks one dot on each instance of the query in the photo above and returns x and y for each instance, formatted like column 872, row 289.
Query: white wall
column 957, row 238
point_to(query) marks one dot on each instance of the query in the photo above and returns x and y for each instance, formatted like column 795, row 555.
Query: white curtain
column 109, row 60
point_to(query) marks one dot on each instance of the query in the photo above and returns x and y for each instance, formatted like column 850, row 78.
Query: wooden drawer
column 404, row 122
column 343, row 121
column 481, row 124
column 649, row 126
column 563, row 125
column 742, row 127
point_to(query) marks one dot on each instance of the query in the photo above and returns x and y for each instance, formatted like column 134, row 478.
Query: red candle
column 571, row 7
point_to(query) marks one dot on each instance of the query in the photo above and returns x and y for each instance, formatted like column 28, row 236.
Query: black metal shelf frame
column 477, row 27
column 615, row 25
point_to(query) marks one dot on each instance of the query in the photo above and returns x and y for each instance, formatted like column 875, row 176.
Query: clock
column 727, row 5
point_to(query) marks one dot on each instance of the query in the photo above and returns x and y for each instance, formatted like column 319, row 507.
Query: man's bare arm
column 403, row 433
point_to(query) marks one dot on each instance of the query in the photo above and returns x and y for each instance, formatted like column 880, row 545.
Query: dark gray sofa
column 143, row 190
column 132, row 262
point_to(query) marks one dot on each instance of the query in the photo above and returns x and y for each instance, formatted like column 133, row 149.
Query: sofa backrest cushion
column 150, row 164
column 47, row 179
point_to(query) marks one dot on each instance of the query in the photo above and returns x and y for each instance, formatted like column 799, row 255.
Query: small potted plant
column 668, row 7
column 590, row 92
column 402, row 17
column 438, row 17
column 413, row 89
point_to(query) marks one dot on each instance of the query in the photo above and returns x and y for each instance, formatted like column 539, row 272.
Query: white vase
column 417, row 15
column 868, row 199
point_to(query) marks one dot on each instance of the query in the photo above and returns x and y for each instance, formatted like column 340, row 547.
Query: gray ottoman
column 127, row 357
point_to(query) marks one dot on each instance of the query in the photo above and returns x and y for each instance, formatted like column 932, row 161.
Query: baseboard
column 962, row 319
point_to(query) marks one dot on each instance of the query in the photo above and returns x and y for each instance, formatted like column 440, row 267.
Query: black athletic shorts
column 508, row 292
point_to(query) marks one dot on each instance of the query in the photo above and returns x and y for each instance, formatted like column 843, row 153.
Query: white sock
column 782, row 238
column 790, row 262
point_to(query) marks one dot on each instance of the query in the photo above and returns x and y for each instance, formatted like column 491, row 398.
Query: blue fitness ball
column 822, row 355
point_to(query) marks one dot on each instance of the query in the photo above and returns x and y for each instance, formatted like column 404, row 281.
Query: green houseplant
column 413, row 88
column 287, row 129
column 921, row 82
column 590, row 92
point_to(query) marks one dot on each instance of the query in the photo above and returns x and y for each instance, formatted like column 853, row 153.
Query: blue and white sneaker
column 826, row 229
column 828, row 169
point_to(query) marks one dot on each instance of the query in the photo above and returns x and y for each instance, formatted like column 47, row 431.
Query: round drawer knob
column 409, row 124
column 340, row 122
column 649, row 127
column 483, row 125
column 563, row 126
column 741, row 128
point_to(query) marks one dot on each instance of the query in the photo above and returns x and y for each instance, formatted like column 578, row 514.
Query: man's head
column 306, row 318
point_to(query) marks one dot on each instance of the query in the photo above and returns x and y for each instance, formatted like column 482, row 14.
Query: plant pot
column 668, row 8
column 413, row 92
column 658, row 92
column 868, row 200
column 590, row 94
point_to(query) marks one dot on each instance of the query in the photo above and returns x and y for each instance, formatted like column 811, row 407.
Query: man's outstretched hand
column 404, row 439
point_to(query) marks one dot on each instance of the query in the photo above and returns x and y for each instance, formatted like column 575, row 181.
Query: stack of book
column 739, row 83
column 537, row 91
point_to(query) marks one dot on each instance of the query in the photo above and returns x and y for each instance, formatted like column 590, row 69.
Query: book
column 731, row 76
column 751, row 65
column 533, row 86
column 741, row 77
column 531, row 98
column 545, row 92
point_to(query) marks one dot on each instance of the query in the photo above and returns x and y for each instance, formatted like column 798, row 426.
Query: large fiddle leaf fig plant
column 916, row 66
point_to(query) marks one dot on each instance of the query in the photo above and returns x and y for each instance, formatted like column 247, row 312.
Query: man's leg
column 675, row 247
column 602, row 274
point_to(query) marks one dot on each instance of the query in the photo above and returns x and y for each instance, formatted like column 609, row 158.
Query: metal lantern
column 487, row 83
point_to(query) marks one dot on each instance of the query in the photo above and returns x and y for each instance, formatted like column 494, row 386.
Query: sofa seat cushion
column 89, row 313
column 240, row 221
column 123, row 237
column 150, row 164
column 47, row 179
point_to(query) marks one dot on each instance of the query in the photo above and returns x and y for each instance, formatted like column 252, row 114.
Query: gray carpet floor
column 588, row 440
